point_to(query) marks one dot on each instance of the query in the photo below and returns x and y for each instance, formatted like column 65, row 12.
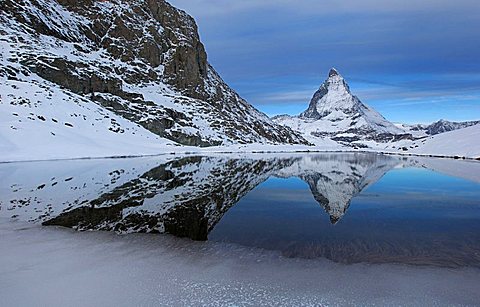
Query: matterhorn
column 335, row 114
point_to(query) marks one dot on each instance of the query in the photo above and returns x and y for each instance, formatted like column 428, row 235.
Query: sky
column 413, row 61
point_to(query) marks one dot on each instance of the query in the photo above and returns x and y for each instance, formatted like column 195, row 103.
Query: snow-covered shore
column 47, row 152
column 28, row 155
column 462, row 143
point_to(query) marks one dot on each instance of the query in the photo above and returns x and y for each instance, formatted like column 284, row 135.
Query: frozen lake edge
column 57, row 266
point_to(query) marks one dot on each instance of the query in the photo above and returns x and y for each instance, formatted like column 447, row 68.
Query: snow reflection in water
column 345, row 207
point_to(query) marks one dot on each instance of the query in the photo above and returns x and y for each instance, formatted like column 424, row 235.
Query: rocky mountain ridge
column 138, row 60
column 423, row 131
column 443, row 126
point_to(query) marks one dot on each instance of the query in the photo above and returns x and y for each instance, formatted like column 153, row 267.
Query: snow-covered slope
column 416, row 130
column 40, row 121
column 127, row 75
column 461, row 143
column 336, row 114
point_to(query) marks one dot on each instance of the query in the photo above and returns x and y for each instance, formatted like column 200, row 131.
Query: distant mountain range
column 438, row 127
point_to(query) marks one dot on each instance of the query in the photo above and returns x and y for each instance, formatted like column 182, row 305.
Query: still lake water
column 349, row 208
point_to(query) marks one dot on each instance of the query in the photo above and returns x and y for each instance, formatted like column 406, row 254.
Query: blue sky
column 414, row 61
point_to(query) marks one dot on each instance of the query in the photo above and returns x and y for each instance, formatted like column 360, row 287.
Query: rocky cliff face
column 335, row 113
column 140, row 59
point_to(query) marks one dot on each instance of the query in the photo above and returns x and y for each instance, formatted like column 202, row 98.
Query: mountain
column 335, row 113
column 416, row 130
column 438, row 127
column 445, row 126
column 117, row 74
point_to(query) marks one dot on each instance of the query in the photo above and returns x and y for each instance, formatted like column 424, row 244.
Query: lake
column 348, row 208
column 241, row 230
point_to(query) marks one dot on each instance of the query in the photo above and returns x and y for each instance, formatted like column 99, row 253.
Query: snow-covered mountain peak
column 335, row 81
column 333, row 95
column 335, row 113
column 333, row 72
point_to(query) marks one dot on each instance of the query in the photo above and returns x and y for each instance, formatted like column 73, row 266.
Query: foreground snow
column 34, row 126
column 468, row 147
column 58, row 267
column 458, row 143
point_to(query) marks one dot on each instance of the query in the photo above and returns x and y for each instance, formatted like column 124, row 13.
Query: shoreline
column 206, row 151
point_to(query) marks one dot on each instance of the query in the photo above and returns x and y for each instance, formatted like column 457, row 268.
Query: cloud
column 211, row 8
column 286, row 97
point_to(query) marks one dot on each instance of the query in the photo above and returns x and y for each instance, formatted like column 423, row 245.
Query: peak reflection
column 184, row 196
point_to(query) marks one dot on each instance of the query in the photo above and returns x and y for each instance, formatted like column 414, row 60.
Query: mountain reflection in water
column 188, row 196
